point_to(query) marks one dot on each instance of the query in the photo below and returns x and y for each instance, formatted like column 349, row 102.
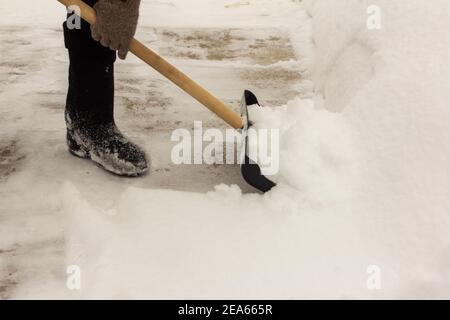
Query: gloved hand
column 116, row 24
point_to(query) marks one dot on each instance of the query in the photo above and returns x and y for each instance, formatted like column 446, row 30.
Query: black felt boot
column 91, row 130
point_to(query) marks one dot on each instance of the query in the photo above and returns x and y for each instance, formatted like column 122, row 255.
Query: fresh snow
column 364, row 162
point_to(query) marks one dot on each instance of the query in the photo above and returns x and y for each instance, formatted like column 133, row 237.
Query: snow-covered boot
column 91, row 130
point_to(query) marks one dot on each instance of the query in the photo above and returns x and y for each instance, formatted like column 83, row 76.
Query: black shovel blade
column 251, row 171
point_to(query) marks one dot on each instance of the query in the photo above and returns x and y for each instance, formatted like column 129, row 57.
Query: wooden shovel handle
column 169, row 71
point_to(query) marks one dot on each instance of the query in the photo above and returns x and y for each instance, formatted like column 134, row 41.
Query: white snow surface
column 364, row 175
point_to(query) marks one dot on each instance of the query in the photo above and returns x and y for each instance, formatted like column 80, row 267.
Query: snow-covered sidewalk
column 361, row 209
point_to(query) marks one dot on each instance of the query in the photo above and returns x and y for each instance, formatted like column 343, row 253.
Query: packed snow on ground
column 362, row 186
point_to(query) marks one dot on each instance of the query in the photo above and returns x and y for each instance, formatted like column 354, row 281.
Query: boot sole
column 83, row 155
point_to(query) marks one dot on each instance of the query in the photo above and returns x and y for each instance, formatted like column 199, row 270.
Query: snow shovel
column 251, row 171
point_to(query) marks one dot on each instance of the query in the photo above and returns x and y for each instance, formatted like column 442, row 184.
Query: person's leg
column 91, row 131
column 91, row 64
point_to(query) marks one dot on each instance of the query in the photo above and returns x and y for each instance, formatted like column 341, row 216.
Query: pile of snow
column 362, row 186
column 317, row 158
